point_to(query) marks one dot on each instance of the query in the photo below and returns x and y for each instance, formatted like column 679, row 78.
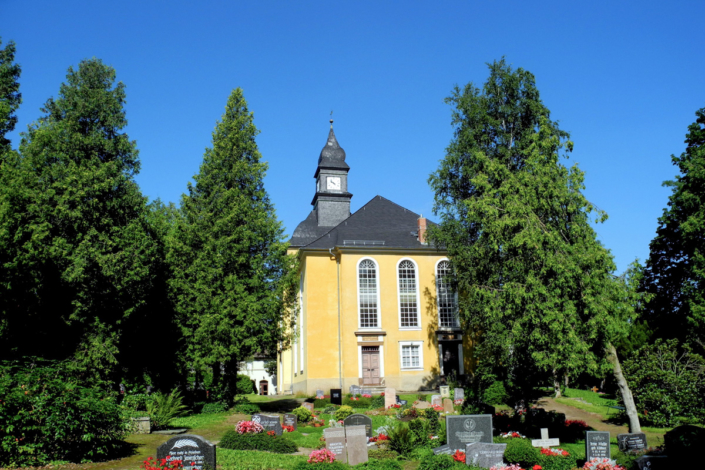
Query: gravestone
column 319, row 394
column 654, row 462
column 358, row 419
column 366, row 391
column 545, row 441
column 335, row 442
column 336, row 396
column 400, row 401
column 357, row 444
column 444, row 449
column 194, row 451
column 291, row 420
column 485, row 455
column 308, row 406
column 422, row 405
column 268, row 422
column 460, row 394
column 631, row 441
column 467, row 429
column 355, row 390
column 390, row 397
column 445, row 391
column 448, row 405
column 436, row 400
column 597, row 445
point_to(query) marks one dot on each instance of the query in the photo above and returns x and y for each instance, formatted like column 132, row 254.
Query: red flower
column 459, row 456
column 536, row 467
column 271, row 433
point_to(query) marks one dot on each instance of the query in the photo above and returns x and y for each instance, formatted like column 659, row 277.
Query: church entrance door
column 370, row 365
column 451, row 358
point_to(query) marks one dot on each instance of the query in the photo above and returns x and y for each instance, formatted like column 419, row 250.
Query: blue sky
column 625, row 78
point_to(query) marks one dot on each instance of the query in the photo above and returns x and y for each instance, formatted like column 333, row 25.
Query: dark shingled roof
column 380, row 220
column 332, row 156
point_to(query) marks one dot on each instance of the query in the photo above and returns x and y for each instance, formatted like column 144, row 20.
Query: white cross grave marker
column 545, row 441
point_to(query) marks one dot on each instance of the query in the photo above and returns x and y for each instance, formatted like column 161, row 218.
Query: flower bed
column 258, row 441
column 601, row 464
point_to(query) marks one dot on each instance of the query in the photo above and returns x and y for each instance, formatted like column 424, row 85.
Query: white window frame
column 401, row 355
column 438, row 305
column 301, row 320
column 379, row 304
column 418, row 298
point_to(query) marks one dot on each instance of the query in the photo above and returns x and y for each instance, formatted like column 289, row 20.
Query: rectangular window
column 408, row 308
column 367, row 274
column 447, row 305
column 411, row 355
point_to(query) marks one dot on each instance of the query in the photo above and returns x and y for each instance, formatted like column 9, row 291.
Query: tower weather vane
column 331, row 116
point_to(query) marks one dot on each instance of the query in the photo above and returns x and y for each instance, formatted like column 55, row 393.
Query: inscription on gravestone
column 366, row 391
column 357, row 444
column 466, row 429
column 355, row 390
column 308, row 406
column 445, row 391
column 545, row 441
column 485, row 455
column 631, row 441
column 291, row 420
column 319, row 394
column 597, row 445
column 444, row 449
column 390, row 397
column 268, row 422
column 436, row 400
column 336, row 396
column 358, row 419
column 194, row 451
column 459, row 394
column 335, row 442
column 447, row 405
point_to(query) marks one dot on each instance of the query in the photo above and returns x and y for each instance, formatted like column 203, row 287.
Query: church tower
column 331, row 203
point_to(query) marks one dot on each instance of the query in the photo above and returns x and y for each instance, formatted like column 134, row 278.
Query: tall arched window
column 367, row 284
column 447, row 305
column 408, row 301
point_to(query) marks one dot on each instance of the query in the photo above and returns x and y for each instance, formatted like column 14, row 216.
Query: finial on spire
column 331, row 119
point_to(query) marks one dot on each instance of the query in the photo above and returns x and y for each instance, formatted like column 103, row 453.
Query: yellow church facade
column 376, row 308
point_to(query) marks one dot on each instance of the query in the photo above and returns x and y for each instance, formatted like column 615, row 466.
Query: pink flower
column 321, row 456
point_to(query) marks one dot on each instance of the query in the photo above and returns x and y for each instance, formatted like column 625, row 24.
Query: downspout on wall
column 340, row 348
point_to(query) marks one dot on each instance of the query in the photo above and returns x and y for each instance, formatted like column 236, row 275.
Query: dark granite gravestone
column 459, row 394
column 336, row 396
column 485, row 455
column 597, row 445
column 356, row 438
column 268, row 422
column 308, row 406
column 654, row 462
column 195, row 452
column 291, row 420
column 335, row 442
column 466, row 429
column 319, row 394
column 444, row 449
column 631, row 441
column 358, row 419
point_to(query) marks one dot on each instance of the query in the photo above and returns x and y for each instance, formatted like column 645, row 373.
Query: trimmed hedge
column 260, row 441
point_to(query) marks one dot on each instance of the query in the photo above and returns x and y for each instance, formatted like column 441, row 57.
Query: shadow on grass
column 285, row 404
column 122, row 449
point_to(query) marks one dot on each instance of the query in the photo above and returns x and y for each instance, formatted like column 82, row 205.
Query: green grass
column 263, row 398
column 591, row 397
column 200, row 420
column 603, row 411
column 255, row 460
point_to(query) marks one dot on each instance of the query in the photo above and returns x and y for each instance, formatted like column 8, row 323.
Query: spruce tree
column 230, row 268
column 535, row 286
column 10, row 97
column 675, row 270
column 79, row 252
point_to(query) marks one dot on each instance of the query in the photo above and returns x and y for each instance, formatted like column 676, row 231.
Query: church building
column 375, row 305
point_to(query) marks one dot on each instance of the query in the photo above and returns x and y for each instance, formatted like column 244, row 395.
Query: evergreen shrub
column 319, row 402
column 259, row 441
column 361, row 402
column 520, row 451
column 215, row 407
column 343, row 412
column 683, row 443
column 247, row 408
column 377, row 401
column 303, row 415
column 437, row 462
column 495, row 394
column 382, row 454
column 245, row 385
column 374, row 464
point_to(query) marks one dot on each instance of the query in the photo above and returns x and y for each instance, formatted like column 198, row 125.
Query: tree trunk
column 565, row 377
column 556, row 384
column 634, row 425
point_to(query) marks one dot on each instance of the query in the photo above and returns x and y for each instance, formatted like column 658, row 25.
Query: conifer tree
column 10, row 97
column 535, row 285
column 79, row 253
column 675, row 270
column 230, row 269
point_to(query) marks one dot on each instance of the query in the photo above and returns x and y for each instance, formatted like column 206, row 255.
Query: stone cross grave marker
column 466, row 429
column 194, row 451
column 448, row 405
column 319, row 394
column 597, row 445
column 390, row 397
column 460, row 394
column 436, row 400
column 445, row 391
column 444, row 449
column 291, row 420
column 357, row 444
column 358, row 419
column 485, row 455
column 545, row 441
column 335, row 442
column 631, row 441
column 308, row 406
column 336, row 396
column 268, row 422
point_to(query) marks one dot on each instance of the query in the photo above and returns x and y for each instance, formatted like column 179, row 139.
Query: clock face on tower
column 333, row 182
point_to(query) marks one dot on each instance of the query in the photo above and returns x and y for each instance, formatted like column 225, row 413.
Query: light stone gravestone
column 422, row 405
column 356, row 444
column 390, row 397
column 291, row 420
column 448, row 405
column 335, row 442
column 445, row 391
column 308, row 406
column 319, row 394
column 194, row 451
column 366, row 391
column 485, row 455
column 436, row 400
column 268, row 422
column 631, row 441
column 467, row 429
column 355, row 390
column 444, row 449
column 460, row 394
column 597, row 445
column 545, row 441
column 358, row 419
